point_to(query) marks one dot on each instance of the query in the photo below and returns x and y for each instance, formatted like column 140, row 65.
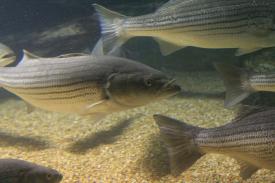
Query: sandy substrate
column 124, row 147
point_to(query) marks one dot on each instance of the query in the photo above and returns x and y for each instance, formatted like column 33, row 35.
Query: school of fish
column 102, row 83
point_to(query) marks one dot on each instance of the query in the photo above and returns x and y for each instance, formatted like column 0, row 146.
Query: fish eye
column 148, row 82
column 49, row 176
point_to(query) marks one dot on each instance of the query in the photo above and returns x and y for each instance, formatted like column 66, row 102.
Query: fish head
column 42, row 175
column 7, row 56
column 137, row 89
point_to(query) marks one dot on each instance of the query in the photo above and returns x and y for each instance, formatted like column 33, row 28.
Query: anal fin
column 167, row 48
column 246, row 169
column 243, row 51
column 30, row 108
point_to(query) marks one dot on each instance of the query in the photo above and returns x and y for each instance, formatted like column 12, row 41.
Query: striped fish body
column 78, row 84
column 250, row 139
column 244, row 24
column 56, row 84
column 262, row 82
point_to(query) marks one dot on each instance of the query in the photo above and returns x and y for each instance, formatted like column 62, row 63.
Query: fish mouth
column 171, row 88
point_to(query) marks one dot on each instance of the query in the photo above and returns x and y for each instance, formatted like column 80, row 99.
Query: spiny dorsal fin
column 246, row 169
column 30, row 55
column 27, row 57
column 246, row 110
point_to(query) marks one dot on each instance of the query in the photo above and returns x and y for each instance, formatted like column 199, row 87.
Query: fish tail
column 179, row 138
column 112, row 30
column 7, row 56
column 236, row 83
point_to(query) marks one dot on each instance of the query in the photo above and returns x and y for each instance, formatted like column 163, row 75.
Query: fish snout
column 58, row 177
column 172, row 87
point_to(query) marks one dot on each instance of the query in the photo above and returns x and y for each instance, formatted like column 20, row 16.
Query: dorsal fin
column 246, row 110
column 27, row 56
column 30, row 55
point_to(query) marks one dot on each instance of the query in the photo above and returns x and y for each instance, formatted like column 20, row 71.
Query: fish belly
column 74, row 99
column 208, row 40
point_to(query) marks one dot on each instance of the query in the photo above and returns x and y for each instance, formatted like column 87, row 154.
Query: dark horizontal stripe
column 55, row 92
column 218, row 22
column 237, row 147
column 28, row 74
column 181, row 11
column 73, row 97
column 25, row 87
column 236, row 137
column 203, row 17
column 240, row 145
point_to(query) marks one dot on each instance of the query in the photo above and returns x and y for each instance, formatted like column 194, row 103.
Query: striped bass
column 240, row 83
column 250, row 139
column 85, row 84
column 248, row 25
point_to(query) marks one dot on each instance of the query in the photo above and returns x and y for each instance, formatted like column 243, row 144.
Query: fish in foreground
column 250, row 139
column 244, row 24
column 240, row 83
column 19, row 171
column 7, row 56
column 86, row 84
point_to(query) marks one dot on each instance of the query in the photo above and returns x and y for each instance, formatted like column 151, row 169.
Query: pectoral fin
column 30, row 108
column 246, row 169
column 167, row 48
column 93, row 108
column 243, row 51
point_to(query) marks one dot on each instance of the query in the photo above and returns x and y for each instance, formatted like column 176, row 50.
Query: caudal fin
column 179, row 139
column 111, row 29
column 7, row 56
column 236, row 84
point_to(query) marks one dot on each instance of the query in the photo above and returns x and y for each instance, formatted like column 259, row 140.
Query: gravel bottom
column 124, row 147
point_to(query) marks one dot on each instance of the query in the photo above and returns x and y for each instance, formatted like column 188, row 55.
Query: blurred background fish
column 240, row 83
column 19, row 171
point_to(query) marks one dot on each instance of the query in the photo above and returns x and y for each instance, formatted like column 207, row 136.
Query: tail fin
column 237, row 87
column 179, row 139
column 111, row 29
column 7, row 56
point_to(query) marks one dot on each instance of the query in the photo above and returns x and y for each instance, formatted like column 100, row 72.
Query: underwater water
column 124, row 146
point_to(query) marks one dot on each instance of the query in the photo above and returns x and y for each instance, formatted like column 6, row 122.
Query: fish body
column 249, row 139
column 85, row 84
column 248, row 25
column 19, row 171
column 240, row 83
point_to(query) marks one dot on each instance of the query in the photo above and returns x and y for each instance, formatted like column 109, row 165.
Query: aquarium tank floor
column 124, row 147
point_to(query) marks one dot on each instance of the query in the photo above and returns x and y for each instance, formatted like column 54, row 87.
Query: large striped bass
column 85, row 84
column 250, row 139
column 240, row 83
column 248, row 25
